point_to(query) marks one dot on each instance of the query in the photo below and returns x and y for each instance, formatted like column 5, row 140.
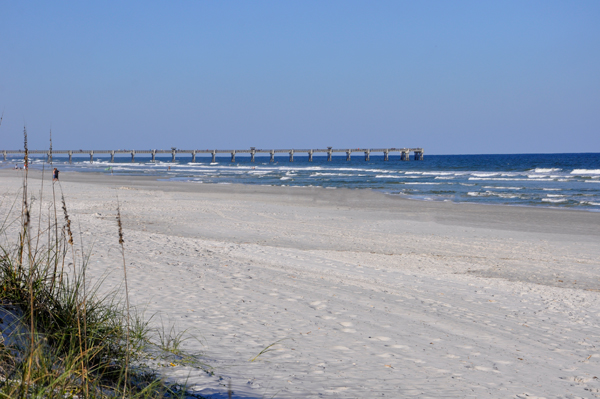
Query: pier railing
column 329, row 151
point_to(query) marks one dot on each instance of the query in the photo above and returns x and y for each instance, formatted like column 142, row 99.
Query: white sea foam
column 423, row 183
column 545, row 170
column 391, row 177
column 489, row 194
column 485, row 174
column 585, row 172
column 361, row 170
column 557, row 200
column 330, row 174
column 551, row 189
column 478, row 194
column 555, row 195
column 285, row 178
column 444, row 177
column 507, row 179
column 592, row 181
column 259, row 172
column 589, row 203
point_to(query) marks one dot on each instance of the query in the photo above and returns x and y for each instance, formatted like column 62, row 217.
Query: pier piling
column 348, row 154
column 252, row 152
column 214, row 156
column 153, row 155
column 233, row 156
column 194, row 156
column 132, row 155
column 329, row 152
column 367, row 155
column 91, row 156
column 70, row 156
column 310, row 155
column 173, row 151
column 386, row 155
column 404, row 155
column 272, row 156
column 292, row 156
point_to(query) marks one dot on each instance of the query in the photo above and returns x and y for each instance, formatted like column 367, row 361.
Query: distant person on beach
column 55, row 173
column 16, row 166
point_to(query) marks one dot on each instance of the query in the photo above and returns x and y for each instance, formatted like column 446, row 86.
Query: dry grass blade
column 72, row 341
column 122, row 244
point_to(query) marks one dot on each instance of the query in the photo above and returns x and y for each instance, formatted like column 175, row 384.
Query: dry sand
column 366, row 295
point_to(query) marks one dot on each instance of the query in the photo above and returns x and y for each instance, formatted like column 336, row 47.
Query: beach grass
column 63, row 336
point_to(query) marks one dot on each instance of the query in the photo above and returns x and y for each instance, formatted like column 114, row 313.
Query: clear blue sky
column 450, row 76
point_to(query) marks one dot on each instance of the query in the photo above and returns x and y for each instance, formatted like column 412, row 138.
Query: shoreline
column 532, row 183
column 523, row 218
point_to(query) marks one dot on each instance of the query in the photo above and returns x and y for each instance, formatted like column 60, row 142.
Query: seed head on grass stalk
column 56, row 239
column 122, row 244
column 77, row 336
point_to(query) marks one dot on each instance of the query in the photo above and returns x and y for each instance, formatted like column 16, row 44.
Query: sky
column 453, row 77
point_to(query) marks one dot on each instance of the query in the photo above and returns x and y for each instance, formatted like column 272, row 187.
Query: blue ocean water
column 548, row 180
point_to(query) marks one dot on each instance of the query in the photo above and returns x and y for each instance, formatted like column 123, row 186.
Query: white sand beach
column 364, row 294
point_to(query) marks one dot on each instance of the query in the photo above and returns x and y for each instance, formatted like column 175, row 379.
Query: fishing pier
column 174, row 152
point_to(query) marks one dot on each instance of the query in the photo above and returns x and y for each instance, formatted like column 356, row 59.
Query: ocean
column 541, row 180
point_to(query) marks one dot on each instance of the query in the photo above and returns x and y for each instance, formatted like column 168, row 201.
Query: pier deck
column 329, row 151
